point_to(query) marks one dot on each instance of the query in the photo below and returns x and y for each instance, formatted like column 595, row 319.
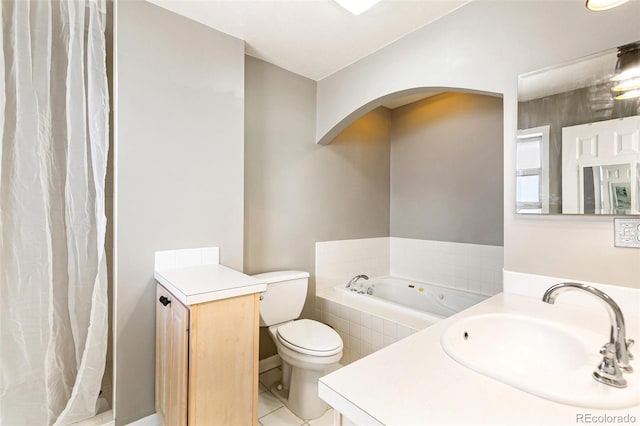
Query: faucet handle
column 629, row 343
column 608, row 371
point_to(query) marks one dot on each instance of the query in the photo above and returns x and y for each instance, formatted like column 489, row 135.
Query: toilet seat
column 310, row 337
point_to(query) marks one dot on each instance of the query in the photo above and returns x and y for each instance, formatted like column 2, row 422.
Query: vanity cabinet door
column 223, row 376
column 207, row 361
column 172, row 352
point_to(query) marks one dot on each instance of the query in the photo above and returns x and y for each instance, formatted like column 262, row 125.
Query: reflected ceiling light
column 628, row 63
column 630, row 84
column 600, row 5
column 357, row 6
column 627, row 72
column 629, row 95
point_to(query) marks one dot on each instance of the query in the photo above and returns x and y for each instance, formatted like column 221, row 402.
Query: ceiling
column 313, row 38
column 569, row 76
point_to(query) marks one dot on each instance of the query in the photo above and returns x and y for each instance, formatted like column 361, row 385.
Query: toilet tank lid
column 272, row 277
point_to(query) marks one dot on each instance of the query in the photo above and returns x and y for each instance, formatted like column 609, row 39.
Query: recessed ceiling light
column 357, row 6
column 599, row 5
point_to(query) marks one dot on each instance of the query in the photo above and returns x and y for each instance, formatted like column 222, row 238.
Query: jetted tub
column 425, row 297
column 397, row 308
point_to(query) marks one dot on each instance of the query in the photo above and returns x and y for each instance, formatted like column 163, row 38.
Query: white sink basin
column 544, row 358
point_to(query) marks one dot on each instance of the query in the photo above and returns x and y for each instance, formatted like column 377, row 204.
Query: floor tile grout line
column 275, row 409
column 287, row 409
column 272, row 411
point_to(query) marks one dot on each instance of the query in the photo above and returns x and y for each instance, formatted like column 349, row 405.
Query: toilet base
column 304, row 401
column 301, row 396
column 304, row 411
column 280, row 392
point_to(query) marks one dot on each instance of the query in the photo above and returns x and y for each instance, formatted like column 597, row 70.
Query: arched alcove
column 394, row 100
column 445, row 162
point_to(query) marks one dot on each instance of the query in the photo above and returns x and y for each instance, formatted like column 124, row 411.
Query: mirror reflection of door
column 606, row 189
column 600, row 167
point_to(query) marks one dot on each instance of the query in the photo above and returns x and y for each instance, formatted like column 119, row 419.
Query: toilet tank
column 285, row 296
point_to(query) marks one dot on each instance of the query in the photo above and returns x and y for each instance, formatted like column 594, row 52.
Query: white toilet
column 308, row 348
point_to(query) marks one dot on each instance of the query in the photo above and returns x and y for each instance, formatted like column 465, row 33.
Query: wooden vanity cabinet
column 207, row 361
column 172, row 358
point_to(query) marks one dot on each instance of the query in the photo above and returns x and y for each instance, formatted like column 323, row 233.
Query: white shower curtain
column 53, row 281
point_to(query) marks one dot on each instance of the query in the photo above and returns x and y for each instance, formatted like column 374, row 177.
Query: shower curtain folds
column 53, row 281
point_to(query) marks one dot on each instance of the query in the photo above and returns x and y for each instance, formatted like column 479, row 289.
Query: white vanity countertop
column 414, row 382
column 206, row 283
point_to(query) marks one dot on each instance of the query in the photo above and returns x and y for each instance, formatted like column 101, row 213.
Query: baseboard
column 102, row 419
column 151, row 420
column 269, row 363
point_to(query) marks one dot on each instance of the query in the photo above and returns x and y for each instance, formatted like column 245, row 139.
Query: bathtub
column 429, row 298
column 396, row 309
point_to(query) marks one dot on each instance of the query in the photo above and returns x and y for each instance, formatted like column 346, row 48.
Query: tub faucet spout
column 351, row 285
column 616, row 351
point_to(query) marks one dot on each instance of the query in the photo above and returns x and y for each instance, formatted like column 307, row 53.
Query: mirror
column 607, row 189
column 578, row 141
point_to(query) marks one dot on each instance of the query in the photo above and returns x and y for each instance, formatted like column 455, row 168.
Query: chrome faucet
column 351, row 285
column 615, row 353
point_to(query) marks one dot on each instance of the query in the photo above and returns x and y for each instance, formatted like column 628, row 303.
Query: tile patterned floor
column 271, row 412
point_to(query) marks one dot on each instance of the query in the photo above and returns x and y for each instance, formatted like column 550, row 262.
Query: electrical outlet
column 626, row 232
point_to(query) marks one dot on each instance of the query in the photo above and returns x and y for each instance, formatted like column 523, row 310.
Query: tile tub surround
column 471, row 267
column 363, row 333
column 338, row 261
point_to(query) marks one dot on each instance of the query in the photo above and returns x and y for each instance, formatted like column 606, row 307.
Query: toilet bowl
column 306, row 356
column 308, row 349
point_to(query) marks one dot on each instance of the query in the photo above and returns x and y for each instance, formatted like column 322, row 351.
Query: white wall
column 179, row 170
column 483, row 46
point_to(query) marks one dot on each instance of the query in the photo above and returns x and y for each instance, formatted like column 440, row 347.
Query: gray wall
column 446, row 169
column 297, row 192
column 178, row 166
column 484, row 46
